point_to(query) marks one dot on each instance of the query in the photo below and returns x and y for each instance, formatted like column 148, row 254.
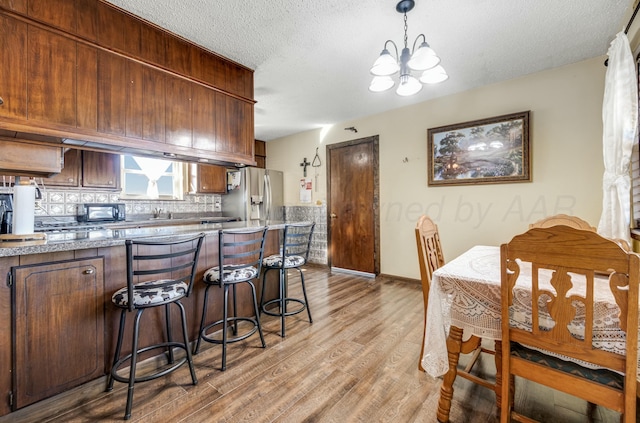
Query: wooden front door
column 353, row 205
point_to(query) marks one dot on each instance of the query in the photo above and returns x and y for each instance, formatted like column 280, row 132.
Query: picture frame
column 486, row 151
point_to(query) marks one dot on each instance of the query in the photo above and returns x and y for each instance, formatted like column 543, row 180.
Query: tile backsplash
column 62, row 202
column 318, row 214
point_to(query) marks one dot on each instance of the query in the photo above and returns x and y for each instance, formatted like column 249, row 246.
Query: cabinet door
column 112, row 93
column 204, row 117
column 13, row 68
column 100, row 170
column 212, row 179
column 87, row 94
column 70, row 174
column 58, row 13
column 234, row 126
column 178, row 112
column 59, row 327
column 153, row 99
column 51, row 76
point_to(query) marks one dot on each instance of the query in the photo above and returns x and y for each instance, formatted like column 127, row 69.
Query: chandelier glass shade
column 423, row 59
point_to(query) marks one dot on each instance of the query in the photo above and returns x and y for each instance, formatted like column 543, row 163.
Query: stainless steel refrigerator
column 254, row 194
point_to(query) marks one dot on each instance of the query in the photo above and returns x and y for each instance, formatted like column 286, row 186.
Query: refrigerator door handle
column 267, row 183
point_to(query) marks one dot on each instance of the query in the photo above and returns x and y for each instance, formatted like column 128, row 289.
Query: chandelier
column 423, row 59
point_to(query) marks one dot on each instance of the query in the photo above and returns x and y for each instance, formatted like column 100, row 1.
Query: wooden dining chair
column 577, row 264
column 563, row 219
column 430, row 258
column 573, row 222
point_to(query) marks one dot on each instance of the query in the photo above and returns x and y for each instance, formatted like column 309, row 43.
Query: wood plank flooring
column 357, row 362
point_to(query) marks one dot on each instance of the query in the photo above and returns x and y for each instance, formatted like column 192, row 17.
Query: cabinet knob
column 110, row 182
column 88, row 272
column 70, row 180
column 1, row 101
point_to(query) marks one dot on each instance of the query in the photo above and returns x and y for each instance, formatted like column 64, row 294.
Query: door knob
column 333, row 215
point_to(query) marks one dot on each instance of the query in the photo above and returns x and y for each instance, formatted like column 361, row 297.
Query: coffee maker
column 6, row 213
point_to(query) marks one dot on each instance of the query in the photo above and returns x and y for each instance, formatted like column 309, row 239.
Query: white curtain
column 152, row 169
column 620, row 120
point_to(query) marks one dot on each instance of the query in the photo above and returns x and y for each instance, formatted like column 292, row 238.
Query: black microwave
column 101, row 212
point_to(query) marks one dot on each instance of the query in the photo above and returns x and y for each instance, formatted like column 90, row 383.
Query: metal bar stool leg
column 204, row 315
column 225, row 311
column 134, row 361
column 235, row 312
column 167, row 315
column 264, row 281
column 185, row 333
column 283, row 301
column 116, row 357
column 304, row 293
column 255, row 308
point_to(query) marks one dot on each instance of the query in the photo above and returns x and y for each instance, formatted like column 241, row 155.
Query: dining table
column 465, row 304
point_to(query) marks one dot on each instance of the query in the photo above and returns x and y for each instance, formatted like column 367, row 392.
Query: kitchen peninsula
column 57, row 299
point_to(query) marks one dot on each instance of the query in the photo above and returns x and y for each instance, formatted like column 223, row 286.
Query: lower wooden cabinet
column 59, row 327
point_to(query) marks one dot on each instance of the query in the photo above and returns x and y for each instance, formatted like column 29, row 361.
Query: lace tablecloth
column 466, row 293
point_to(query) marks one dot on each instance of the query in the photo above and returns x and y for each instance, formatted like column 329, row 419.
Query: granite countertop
column 115, row 235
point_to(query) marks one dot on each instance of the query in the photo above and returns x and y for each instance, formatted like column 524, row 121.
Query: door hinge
column 9, row 279
column 11, row 399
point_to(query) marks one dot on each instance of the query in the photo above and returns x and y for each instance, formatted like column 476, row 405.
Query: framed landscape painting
column 486, row 151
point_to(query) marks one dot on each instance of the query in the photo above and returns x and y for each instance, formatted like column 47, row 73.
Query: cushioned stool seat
column 151, row 293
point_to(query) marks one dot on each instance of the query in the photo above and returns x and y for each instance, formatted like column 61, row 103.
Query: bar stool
column 159, row 273
column 240, row 258
column 294, row 254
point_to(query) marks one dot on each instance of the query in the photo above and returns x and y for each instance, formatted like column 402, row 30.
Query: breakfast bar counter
column 58, row 293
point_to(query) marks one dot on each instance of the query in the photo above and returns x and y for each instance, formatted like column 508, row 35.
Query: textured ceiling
column 312, row 57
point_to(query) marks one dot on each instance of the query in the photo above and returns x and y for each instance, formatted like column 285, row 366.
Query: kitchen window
column 145, row 178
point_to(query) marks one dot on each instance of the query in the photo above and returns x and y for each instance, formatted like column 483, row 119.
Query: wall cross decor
column 304, row 164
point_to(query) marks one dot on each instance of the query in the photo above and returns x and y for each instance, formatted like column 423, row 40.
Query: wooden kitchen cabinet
column 59, row 327
column 178, row 112
column 233, row 134
column 13, row 68
column 260, row 152
column 51, row 77
column 100, row 170
column 70, row 174
column 203, row 102
column 212, row 179
column 85, row 70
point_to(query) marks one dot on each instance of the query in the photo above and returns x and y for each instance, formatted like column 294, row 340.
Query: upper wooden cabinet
column 100, row 170
column 261, row 154
column 104, row 76
column 212, row 179
column 89, row 169
column 69, row 176
column 13, row 68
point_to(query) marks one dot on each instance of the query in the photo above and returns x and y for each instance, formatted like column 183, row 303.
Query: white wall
column 566, row 132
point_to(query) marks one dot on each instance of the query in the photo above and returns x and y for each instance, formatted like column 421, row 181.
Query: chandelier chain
column 405, row 29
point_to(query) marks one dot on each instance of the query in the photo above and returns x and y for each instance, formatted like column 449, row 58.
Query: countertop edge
column 115, row 237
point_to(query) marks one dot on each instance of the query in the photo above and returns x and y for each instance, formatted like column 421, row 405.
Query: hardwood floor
column 357, row 362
